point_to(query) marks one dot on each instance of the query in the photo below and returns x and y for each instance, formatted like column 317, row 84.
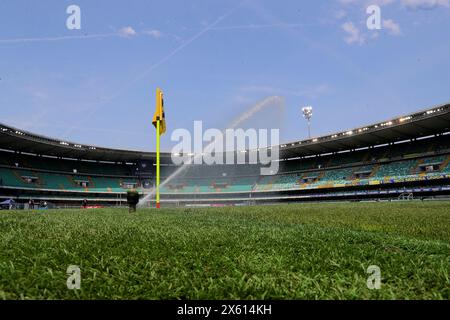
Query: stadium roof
column 23, row 141
column 419, row 124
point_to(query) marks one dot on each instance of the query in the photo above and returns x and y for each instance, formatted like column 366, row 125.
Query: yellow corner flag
column 159, row 112
column 159, row 121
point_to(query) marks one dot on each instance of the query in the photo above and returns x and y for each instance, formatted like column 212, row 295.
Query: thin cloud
column 96, row 106
column 380, row 3
column 409, row 4
column 354, row 35
column 367, row 2
column 61, row 38
column 392, row 27
column 311, row 92
column 340, row 14
column 263, row 26
column 153, row 33
column 127, row 32
column 425, row 4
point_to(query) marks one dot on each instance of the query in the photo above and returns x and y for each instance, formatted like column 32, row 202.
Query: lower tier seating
column 386, row 172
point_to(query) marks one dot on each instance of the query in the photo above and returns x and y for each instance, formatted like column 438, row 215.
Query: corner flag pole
column 159, row 121
column 158, row 135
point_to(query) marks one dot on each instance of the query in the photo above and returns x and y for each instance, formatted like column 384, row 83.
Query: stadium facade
column 400, row 158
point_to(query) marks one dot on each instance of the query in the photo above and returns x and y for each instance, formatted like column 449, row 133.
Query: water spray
column 276, row 101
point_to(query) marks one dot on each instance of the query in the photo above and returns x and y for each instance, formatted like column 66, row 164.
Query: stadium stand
column 380, row 160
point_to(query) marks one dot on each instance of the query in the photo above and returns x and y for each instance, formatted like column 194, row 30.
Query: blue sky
column 214, row 59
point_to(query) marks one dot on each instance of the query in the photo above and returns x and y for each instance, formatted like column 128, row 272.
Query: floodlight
column 307, row 114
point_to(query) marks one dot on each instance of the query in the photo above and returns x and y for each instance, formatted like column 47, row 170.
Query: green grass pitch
column 298, row 251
